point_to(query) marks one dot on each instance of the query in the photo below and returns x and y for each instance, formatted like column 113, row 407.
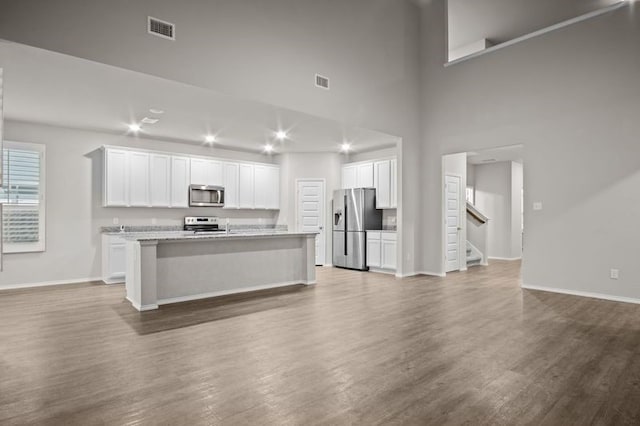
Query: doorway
column 310, row 213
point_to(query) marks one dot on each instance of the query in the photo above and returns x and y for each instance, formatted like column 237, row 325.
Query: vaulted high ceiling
column 503, row 20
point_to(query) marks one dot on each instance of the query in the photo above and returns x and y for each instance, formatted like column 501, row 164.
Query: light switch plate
column 537, row 205
column 615, row 274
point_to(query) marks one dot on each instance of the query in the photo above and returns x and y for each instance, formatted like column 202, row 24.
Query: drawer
column 389, row 236
column 373, row 235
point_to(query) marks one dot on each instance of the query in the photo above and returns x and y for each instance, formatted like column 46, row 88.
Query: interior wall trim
column 601, row 296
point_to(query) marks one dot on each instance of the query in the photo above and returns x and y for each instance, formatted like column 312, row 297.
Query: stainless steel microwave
column 206, row 196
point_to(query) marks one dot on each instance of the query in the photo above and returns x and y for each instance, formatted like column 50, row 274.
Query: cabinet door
column 199, row 172
column 116, row 178
column 365, row 175
column 388, row 259
column 349, row 177
column 160, row 180
column 139, row 179
column 373, row 249
column 117, row 260
column 216, row 173
column 261, row 186
column 382, row 181
column 230, row 185
column 246, row 187
column 180, row 178
column 394, row 183
column 273, row 197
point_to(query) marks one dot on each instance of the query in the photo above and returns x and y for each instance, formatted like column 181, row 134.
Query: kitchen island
column 174, row 267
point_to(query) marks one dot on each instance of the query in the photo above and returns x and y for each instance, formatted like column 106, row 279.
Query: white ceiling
column 503, row 20
column 494, row 155
column 52, row 88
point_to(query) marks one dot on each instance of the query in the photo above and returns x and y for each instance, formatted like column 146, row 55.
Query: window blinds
column 20, row 194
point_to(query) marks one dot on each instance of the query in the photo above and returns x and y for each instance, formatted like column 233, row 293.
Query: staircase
column 474, row 256
column 476, row 236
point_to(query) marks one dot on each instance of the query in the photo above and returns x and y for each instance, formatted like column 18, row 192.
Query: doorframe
column 323, row 218
column 462, row 260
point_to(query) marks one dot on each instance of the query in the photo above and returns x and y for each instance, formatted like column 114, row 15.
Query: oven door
column 206, row 196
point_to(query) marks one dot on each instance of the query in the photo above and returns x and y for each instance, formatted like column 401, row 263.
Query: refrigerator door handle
column 346, row 228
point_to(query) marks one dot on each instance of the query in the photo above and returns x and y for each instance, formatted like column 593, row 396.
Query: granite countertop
column 184, row 235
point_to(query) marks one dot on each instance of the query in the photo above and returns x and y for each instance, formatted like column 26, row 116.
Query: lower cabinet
column 381, row 250
column 114, row 259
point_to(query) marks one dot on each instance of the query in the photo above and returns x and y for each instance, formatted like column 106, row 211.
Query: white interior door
column 311, row 213
column 452, row 220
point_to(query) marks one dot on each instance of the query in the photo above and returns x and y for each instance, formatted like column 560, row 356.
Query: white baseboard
column 228, row 292
column 382, row 271
column 49, row 283
column 413, row 274
column 504, row 258
column 583, row 294
column 142, row 307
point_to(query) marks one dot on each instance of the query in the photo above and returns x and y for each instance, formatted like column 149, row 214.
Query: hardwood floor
column 358, row 348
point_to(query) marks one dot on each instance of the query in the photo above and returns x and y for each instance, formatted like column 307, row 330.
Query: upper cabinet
column 358, row 175
column 180, row 178
column 379, row 174
column 206, row 172
column 135, row 178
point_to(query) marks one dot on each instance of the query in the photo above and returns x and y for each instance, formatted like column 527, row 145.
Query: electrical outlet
column 615, row 274
column 537, row 205
column 154, row 221
column 116, row 221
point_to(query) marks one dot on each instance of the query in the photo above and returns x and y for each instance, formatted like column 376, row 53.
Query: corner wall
column 571, row 98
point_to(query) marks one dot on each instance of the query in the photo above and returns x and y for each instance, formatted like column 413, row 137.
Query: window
column 22, row 196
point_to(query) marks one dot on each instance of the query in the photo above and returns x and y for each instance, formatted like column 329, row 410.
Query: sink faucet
column 226, row 226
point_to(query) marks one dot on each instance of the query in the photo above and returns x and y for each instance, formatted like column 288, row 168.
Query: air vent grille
column 322, row 82
column 161, row 28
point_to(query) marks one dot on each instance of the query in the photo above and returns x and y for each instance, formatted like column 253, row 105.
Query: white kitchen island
column 175, row 267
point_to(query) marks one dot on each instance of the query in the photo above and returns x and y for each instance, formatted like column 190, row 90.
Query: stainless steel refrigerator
column 354, row 212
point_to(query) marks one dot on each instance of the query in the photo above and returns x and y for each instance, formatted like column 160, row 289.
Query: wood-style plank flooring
column 358, row 348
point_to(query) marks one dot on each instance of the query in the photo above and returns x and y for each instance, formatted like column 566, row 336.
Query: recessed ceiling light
column 156, row 111
column 268, row 148
column 134, row 127
column 210, row 138
column 345, row 147
column 148, row 120
column 281, row 135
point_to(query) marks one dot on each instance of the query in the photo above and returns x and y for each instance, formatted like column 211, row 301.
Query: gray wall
column 308, row 166
column 571, row 97
column 498, row 188
column 74, row 212
column 266, row 51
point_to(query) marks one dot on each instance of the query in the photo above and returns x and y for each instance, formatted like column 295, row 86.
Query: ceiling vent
column 322, row 82
column 161, row 28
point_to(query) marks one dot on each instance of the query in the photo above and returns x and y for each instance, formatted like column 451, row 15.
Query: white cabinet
column 349, row 177
column 260, row 187
column 160, row 180
column 388, row 250
column 365, row 175
column 246, row 186
column 382, row 183
column 394, row 183
column 373, row 249
column 114, row 261
column 266, row 187
column 139, row 179
column 357, row 175
column 116, row 179
column 135, row 178
column 180, row 178
column 273, row 196
column 230, row 178
column 381, row 250
column 206, row 172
